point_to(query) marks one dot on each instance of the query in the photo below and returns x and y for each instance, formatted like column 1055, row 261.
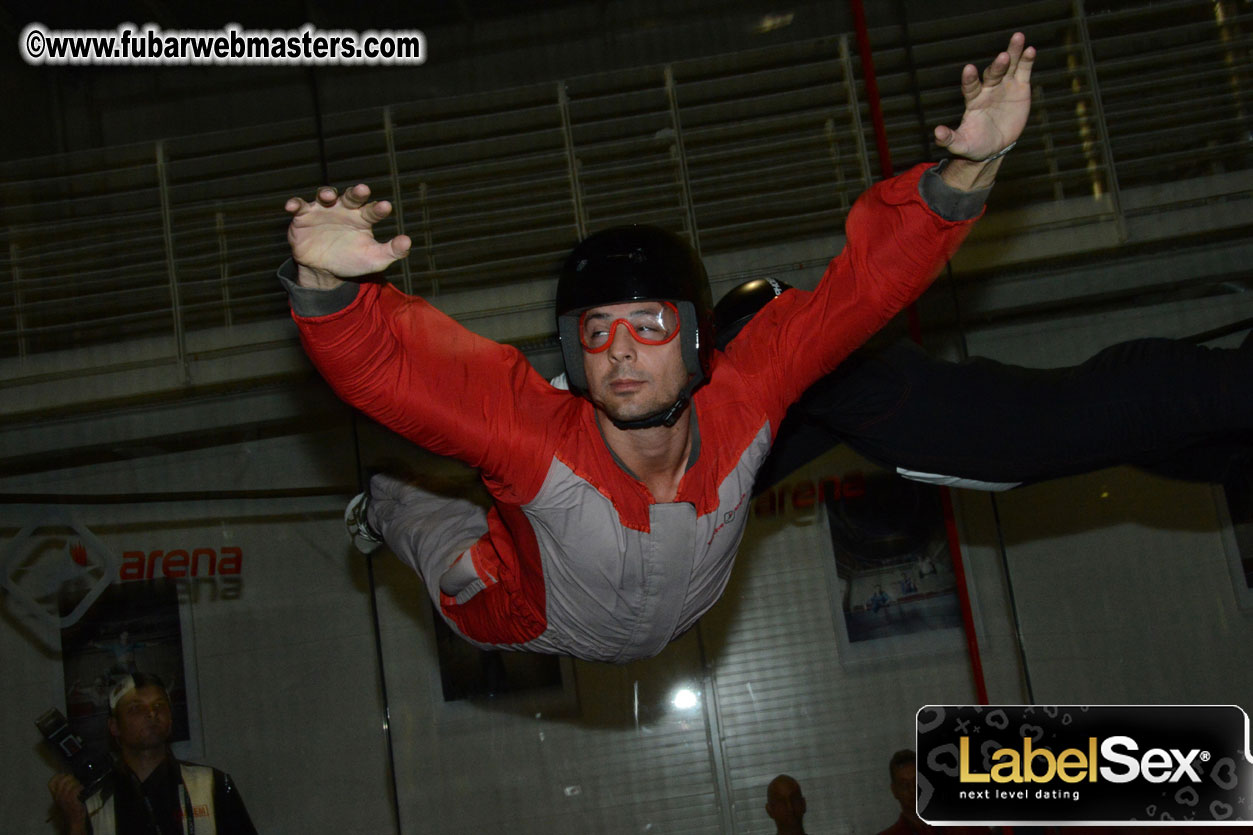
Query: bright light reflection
column 770, row 22
column 685, row 699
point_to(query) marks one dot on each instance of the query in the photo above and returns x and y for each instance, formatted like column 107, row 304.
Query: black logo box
column 1210, row 742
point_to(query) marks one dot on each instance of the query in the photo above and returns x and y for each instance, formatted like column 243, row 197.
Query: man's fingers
column 971, row 85
column 1021, row 57
column 996, row 70
column 326, row 196
column 400, row 245
column 64, row 787
column 356, row 196
column 376, row 211
column 1016, row 43
column 944, row 135
column 1015, row 61
column 1022, row 72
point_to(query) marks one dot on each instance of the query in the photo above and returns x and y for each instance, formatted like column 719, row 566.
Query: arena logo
column 803, row 496
column 55, row 568
column 198, row 573
column 1155, row 765
column 180, row 563
column 46, row 585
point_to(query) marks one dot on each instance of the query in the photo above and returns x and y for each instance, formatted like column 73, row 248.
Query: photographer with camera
column 150, row 791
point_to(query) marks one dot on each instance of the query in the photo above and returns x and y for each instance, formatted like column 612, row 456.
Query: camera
column 68, row 746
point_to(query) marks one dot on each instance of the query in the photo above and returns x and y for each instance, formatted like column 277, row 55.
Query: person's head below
column 635, row 320
column 785, row 805
column 139, row 714
column 903, row 770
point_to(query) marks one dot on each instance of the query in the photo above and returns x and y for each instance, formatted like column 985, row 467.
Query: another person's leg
column 799, row 441
column 1147, row 403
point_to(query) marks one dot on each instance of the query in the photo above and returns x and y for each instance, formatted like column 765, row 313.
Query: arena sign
column 56, row 568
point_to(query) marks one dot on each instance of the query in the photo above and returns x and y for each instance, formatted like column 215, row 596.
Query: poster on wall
column 132, row 627
column 894, row 589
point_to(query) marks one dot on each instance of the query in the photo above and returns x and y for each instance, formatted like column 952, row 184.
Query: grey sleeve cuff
column 948, row 202
column 306, row 301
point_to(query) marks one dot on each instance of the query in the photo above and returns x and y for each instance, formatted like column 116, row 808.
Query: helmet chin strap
column 666, row 417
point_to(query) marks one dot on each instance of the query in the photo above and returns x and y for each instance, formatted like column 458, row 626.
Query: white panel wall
column 790, row 704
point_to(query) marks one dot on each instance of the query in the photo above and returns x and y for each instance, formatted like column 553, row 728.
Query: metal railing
column 159, row 243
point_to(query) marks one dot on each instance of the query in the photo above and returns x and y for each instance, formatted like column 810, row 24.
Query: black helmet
column 740, row 304
column 630, row 263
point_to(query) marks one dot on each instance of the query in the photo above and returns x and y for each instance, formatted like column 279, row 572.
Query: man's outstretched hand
column 997, row 106
column 332, row 238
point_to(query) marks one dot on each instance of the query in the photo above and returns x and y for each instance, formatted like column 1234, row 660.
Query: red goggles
column 655, row 323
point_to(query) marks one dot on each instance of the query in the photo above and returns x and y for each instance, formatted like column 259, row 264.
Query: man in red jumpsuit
column 618, row 506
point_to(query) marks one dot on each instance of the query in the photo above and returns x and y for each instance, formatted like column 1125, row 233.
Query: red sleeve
column 895, row 246
column 422, row 375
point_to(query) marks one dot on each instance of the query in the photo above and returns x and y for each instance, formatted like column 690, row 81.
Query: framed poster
column 893, row 588
column 132, row 627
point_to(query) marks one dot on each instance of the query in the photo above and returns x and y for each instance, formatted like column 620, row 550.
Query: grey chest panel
column 618, row 594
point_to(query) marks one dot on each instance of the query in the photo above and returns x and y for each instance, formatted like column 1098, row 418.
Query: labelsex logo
column 1040, row 765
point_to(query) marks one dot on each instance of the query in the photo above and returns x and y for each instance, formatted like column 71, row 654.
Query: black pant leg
column 1144, row 402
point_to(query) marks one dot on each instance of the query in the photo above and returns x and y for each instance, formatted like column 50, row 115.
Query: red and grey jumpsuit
column 575, row 557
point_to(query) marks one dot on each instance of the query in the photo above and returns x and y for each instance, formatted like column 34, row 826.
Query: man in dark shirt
column 150, row 793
